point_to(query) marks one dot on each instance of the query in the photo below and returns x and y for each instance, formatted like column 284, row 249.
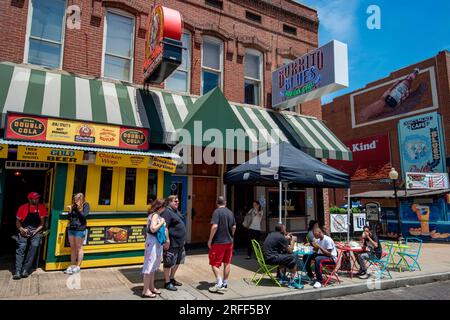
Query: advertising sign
column 421, row 144
column 121, row 160
column 3, row 151
column 339, row 223
column 373, row 211
column 418, row 180
column 414, row 92
column 163, row 164
column 359, row 221
column 320, row 71
column 371, row 158
column 163, row 46
column 112, row 235
column 49, row 155
column 35, row 128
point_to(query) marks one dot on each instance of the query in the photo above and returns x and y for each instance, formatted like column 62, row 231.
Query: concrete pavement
column 125, row 283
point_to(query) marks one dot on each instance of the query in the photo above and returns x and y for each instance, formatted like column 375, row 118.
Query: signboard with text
column 3, row 151
column 319, row 72
column 121, row 160
column 163, row 164
column 112, row 235
column 43, row 129
column 419, row 180
column 49, row 155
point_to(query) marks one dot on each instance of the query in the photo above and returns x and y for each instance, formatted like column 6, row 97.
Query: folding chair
column 331, row 271
column 381, row 265
column 412, row 253
column 264, row 269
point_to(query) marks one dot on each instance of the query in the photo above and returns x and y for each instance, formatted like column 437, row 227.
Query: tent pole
column 285, row 203
column 281, row 195
column 349, row 206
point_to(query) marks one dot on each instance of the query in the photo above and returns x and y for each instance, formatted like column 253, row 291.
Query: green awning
column 35, row 90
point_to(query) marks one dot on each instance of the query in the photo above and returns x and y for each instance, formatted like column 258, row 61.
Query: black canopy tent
column 284, row 164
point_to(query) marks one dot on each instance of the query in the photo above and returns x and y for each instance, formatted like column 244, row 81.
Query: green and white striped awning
column 34, row 90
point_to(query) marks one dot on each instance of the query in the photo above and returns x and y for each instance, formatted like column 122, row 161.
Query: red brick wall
column 337, row 115
column 83, row 48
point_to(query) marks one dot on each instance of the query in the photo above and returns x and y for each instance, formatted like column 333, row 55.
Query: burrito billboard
column 317, row 73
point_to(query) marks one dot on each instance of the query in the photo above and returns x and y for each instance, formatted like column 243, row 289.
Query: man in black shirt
column 277, row 250
column 372, row 249
column 175, row 255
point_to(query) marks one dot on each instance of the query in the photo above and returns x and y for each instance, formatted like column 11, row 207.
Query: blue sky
column 411, row 31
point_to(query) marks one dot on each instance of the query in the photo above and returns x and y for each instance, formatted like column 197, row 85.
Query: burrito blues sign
column 319, row 72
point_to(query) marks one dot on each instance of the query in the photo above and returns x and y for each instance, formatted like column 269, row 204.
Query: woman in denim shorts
column 77, row 231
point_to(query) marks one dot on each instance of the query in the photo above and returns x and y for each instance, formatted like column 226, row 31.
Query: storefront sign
column 418, row 180
column 163, row 47
column 49, row 155
column 359, row 221
column 371, row 158
column 121, row 160
column 321, row 71
column 35, row 128
column 421, row 144
column 163, row 164
column 339, row 223
column 113, row 235
column 3, row 151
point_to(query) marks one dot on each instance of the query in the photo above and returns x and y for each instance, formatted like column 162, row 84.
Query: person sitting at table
column 309, row 239
column 326, row 253
column 372, row 249
column 278, row 250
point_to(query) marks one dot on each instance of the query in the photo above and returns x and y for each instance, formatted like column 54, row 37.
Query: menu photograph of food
column 116, row 235
column 112, row 235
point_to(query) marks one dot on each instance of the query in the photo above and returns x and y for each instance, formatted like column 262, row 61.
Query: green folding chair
column 264, row 269
column 410, row 256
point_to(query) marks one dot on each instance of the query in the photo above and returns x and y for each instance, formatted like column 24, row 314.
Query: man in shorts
column 175, row 255
column 220, row 244
column 277, row 250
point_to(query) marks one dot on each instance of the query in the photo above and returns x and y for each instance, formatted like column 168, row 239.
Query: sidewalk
column 125, row 283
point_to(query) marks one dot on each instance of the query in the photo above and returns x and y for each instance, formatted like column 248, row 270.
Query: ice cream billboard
column 319, row 72
column 371, row 158
column 421, row 144
column 429, row 181
column 412, row 93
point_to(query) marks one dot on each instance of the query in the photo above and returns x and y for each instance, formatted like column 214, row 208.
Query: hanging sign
column 339, row 223
column 121, row 160
column 3, row 151
column 419, row 180
column 163, row 164
column 320, row 71
column 163, row 46
column 373, row 211
column 359, row 221
column 49, row 155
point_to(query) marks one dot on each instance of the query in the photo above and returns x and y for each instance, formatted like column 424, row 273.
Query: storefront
column 64, row 135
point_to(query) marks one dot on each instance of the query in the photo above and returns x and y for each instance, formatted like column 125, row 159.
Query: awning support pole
column 285, row 203
column 349, row 208
column 279, row 205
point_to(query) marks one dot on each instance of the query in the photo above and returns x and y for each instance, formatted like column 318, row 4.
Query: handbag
column 248, row 219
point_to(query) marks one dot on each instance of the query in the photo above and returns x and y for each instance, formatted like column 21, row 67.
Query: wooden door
column 204, row 197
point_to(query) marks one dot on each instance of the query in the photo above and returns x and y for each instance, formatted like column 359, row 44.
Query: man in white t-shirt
column 326, row 253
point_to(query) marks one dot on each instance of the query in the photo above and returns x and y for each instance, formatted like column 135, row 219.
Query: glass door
column 178, row 187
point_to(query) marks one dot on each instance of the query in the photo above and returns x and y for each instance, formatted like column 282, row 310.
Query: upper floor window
column 45, row 33
column 289, row 30
column 180, row 79
column 253, row 61
column 212, row 64
column 118, row 46
column 215, row 3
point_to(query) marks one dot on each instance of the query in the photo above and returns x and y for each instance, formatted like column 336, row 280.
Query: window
column 253, row 76
column 118, row 47
column 289, row 30
column 106, row 177
column 152, row 185
column 211, row 64
column 253, row 16
column 215, row 3
column 180, row 79
column 79, row 184
column 296, row 203
column 130, row 186
column 46, row 33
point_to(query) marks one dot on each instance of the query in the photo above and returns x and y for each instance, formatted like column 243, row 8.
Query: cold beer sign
column 319, row 72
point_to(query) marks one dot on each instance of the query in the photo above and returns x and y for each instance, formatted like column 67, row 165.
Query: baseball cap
column 33, row 195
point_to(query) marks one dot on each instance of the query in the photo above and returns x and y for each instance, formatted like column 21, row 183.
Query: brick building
column 83, row 59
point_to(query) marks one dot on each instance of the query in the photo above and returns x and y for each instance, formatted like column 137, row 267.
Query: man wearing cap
column 30, row 222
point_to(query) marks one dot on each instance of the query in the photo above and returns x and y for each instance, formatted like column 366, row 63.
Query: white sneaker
column 216, row 289
column 76, row 269
column 69, row 270
column 317, row 285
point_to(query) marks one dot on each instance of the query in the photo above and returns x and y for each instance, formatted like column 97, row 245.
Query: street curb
column 345, row 290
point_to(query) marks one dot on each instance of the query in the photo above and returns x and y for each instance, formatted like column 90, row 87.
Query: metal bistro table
column 396, row 247
column 302, row 264
column 350, row 252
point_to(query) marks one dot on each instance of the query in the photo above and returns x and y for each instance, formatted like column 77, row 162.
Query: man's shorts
column 220, row 253
column 288, row 260
column 173, row 257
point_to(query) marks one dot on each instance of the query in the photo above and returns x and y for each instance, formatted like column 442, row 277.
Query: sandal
column 156, row 291
column 151, row 296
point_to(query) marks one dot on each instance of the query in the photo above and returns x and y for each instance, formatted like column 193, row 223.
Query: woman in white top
column 254, row 230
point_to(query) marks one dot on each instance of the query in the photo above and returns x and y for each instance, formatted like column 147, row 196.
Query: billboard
column 371, row 158
column 409, row 94
column 421, row 144
column 319, row 72
column 429, row 181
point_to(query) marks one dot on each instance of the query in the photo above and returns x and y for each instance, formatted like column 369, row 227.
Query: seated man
column 372, row 249
column 325, row 252
column 277, row 250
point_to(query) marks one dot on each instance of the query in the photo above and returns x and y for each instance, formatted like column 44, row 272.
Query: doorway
column 178, row 187
column 18, row 183
column 204, row 197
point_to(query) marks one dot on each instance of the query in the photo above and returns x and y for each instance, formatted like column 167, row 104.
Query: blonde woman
column 153, row 248
column 78, row 212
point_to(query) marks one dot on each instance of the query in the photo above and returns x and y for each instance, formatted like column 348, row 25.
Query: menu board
column 112, row 235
